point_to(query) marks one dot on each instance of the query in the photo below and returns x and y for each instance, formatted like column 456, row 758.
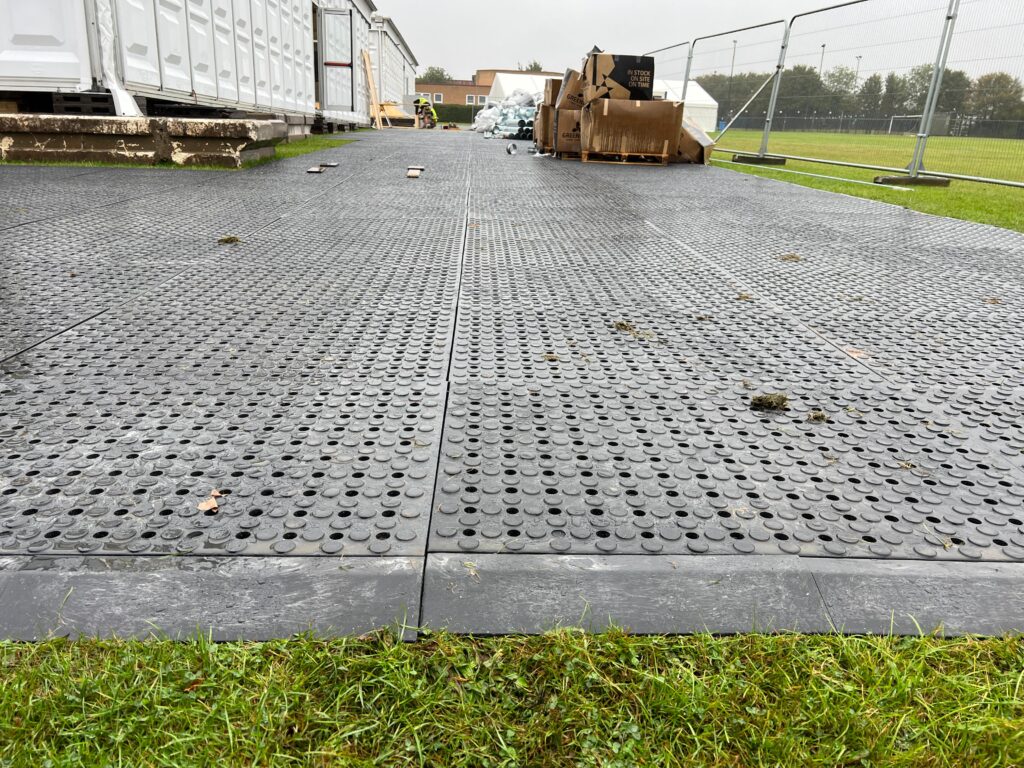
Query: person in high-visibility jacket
column 426, row 113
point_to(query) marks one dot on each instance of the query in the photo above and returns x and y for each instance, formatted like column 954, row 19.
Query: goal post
column 894, row 118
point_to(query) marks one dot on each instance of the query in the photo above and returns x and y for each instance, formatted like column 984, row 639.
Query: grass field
column 566, row 699
column 991, row 158
column 985, row 203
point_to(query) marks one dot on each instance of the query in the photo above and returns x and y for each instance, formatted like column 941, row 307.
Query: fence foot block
column 912, row 181
column 758, row 160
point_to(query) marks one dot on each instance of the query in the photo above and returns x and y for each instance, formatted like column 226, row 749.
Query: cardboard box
column 551, row 88
column 649, row 128
column 567, row 130
column 544, row 128
column 695, row 146
column 570, row 95
column 611, row 76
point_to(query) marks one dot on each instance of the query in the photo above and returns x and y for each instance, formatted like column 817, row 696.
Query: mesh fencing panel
column 856, row 81
column 734, row 70
column 978, row 128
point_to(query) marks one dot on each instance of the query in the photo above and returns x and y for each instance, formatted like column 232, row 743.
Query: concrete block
column 138, row 140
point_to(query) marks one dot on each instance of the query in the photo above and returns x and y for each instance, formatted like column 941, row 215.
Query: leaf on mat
column 209, row 505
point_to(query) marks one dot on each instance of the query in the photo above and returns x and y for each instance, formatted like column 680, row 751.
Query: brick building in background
column 468, row 92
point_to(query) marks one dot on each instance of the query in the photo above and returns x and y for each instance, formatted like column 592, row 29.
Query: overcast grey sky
column 465, row 35
column 880, row 36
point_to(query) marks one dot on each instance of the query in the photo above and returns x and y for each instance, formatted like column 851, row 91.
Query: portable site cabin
column 394, row 65
column 699, row 106
column 286, row 57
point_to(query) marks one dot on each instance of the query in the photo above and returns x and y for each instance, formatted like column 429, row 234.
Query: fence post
column 770, row 115
column 932, row 102
column 689, row 66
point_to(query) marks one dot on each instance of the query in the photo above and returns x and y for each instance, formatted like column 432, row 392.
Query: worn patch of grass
column 984, row 203
column 565, row 699
column 773, row 401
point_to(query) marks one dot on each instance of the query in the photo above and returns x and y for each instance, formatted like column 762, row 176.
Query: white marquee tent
column 700, row 107
column 505, row 83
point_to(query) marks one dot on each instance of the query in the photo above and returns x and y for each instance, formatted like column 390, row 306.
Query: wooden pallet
column 568, row 155
column 624, row 158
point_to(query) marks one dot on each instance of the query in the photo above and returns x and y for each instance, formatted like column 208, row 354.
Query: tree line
column 804, row 91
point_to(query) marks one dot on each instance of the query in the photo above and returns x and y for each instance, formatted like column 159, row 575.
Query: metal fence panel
column 979, row 126
column 930, row 87
column 856, row 80
column 670, row 62
column 735, row 68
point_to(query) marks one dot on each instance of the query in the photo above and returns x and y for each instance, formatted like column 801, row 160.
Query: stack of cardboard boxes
column 607, row 113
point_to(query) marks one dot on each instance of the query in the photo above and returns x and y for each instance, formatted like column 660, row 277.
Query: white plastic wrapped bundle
column 512, row 119
column 487, row 120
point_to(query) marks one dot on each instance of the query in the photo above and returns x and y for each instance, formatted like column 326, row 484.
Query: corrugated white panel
column 244, row 52
column 361, row 27
column 172, row 39
column 261, row 54
column 275, row 53
column 44, row 45
column 287, row 54
column 224, row 50
column 300, row 80
column 304, row 53
column 394, row 83
column 201, row 48
column 140, row 57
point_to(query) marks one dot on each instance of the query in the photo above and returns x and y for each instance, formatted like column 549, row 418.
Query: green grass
column 566, row 699
column 307, row 145
column 985, row 203
column 281, row 152
column 991, row 158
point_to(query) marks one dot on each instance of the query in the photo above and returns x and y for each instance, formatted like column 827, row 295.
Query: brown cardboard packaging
column 567, row 130
column 570, row 95
column 611, row 76
column 544, row 128
column 551, row 87
column 695, row 146
column 650, row 128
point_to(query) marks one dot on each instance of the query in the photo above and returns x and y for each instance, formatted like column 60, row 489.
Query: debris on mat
column 315, row 169
column 211, row 504
column 774, row 401
column 414, row 171
column 329, row 165
column 818, row 417
column 229, row 240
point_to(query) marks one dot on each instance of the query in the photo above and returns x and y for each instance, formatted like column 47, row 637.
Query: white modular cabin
column 288, row 57
column 394, row 64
